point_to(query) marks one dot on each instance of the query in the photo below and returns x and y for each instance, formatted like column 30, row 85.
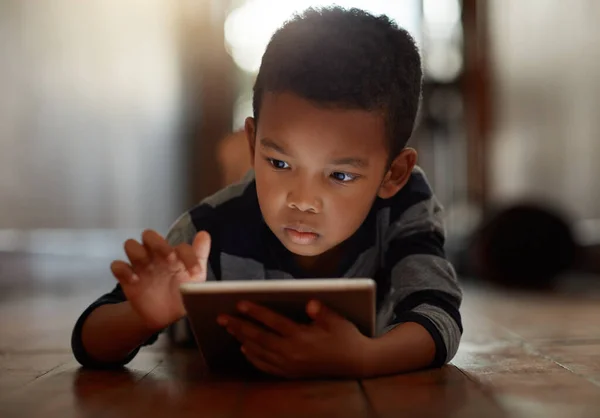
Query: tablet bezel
column 295, row 285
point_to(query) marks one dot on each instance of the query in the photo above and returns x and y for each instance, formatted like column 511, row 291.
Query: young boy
column 334, row 192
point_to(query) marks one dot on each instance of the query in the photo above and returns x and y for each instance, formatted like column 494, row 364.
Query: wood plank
column 70, row 391
column 14, row 380
column 19, row 369
column 158, row 398
column 180, row 387
column 444, row 392
column 522, row 380
column 581, row 359
column 290, row 399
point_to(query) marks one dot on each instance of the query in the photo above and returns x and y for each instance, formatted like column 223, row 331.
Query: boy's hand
column 329, row 347
column 151, row 279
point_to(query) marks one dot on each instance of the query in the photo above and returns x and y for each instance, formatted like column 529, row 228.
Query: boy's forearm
column 111, row 332
column 407, row 347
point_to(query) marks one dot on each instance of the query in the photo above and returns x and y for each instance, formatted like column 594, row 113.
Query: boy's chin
column 308, row 253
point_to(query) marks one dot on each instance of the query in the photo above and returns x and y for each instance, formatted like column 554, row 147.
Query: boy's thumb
column 201, row 246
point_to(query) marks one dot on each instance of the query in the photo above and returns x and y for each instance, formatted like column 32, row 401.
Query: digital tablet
column 353, row 299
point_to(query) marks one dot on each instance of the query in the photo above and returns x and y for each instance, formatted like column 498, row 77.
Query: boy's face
column 318, row 170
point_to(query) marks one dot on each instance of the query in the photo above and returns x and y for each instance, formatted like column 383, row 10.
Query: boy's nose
column 303, row 198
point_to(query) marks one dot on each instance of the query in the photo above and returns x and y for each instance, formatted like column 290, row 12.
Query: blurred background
column 116, row 116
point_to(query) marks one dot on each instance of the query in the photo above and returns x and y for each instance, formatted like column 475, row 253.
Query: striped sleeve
column 423, row 284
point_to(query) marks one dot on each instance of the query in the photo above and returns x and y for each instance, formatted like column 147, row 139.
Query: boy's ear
column 398, row 173
column 250, row 131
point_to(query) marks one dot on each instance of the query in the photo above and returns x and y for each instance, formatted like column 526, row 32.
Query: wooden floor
column 522, row 355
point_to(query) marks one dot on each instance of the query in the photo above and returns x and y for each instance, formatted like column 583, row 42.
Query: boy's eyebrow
column 353, row 161
column 269, row 143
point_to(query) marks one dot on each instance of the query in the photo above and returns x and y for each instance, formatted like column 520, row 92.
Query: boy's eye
column 343, row 177
column 278, row 164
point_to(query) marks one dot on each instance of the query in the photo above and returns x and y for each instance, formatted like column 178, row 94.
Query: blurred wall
column 546, row 68
column 90, row 114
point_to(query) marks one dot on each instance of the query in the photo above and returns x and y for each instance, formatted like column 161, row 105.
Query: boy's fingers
column 136, row 253
column 186, row 254
column 265, row 367
column 254, row 350
column 323, row 315
column 244, row 331
column 278, row 323
column 201, row 247
column 123, row 272
column 157, row 245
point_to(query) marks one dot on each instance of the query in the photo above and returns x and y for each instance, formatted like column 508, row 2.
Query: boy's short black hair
column 346, row 58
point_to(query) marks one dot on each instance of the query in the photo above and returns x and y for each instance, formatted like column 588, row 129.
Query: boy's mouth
column 301, row 235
